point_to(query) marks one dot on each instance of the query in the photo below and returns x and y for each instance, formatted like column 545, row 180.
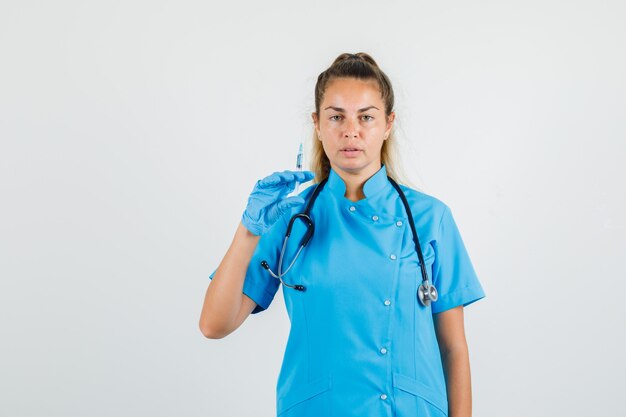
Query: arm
column 225, row 305
column 455, row 358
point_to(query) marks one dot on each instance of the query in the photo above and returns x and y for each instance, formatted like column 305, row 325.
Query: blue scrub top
column 360, row 342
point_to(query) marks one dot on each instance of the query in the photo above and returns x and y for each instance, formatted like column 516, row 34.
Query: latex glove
column 267, row 201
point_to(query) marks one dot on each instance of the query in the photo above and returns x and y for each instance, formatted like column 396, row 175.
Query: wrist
column 251, row 227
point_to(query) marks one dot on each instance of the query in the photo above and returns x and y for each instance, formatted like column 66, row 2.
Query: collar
column 374, row 184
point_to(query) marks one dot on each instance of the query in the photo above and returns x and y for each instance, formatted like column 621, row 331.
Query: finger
column 291, row 177
column 304, row 176
column 286, row 177
column 270, row 180
column 288, row 202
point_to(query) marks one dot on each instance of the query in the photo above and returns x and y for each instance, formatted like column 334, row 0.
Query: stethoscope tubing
column 426, row 291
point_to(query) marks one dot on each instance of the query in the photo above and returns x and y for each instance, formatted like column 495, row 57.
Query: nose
column 351, row 129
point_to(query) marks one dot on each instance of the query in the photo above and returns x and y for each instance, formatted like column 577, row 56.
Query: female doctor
column 361, row 342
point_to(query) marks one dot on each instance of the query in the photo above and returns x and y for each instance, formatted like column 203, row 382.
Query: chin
column 350, row 166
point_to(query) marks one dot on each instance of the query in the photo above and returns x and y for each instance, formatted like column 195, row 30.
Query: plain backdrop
column 132, row 133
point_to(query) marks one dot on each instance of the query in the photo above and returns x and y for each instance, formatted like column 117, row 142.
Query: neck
column 355, row 180
column 354, row 190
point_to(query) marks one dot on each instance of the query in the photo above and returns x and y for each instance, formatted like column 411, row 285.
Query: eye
column 370, row 117
column 331, row 117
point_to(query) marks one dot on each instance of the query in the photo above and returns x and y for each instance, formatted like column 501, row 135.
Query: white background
column 132, row 133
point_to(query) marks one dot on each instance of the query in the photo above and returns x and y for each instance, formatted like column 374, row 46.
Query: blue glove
column 267, row 203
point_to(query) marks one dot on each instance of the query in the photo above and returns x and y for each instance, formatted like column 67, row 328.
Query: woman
column 361, row 342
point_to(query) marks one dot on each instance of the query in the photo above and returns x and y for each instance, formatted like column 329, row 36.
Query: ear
column 316, row 123
column 390, row 120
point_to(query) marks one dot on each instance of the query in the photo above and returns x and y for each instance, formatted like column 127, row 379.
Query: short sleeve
column 259, row 285
column 453, row 273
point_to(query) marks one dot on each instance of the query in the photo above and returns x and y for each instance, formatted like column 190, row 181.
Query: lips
column 350, row 152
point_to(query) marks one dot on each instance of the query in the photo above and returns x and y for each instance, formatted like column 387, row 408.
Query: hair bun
column 359, row 56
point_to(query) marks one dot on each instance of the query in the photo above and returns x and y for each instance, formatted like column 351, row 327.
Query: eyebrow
column 339, row 109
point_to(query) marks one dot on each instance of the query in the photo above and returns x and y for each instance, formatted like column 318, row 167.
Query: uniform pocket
column 415, row 398
column 307, row 400
column 428, row 253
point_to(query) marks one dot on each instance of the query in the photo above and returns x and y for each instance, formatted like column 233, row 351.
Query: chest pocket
column 411, row 264
column 429, row 256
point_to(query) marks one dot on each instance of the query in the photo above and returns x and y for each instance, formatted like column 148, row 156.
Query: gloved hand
column 267, row 203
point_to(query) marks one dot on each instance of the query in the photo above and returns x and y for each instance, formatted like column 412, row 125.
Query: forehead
column 352, row 92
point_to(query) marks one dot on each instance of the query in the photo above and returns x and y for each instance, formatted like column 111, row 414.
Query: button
column 383, row 396
column 387, row 302
column 352, row 208
column 398, row 223
column 383, row 351
column 375, row 218
column 393, row 257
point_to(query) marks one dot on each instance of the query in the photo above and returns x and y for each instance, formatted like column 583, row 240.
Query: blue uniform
column 360, row 342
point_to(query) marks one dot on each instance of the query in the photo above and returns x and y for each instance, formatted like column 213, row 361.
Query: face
column 352, row 125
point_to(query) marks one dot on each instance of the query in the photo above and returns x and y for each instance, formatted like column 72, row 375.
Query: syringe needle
column 299, row 165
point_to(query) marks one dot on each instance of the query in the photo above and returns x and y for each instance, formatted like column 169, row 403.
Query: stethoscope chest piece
column 427, row 293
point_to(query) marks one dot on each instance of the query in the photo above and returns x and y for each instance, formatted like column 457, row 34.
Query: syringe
column 299, row 165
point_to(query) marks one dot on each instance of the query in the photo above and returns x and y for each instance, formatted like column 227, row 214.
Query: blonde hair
column 363, row 67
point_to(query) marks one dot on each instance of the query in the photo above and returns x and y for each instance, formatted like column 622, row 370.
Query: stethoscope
column 426, row 293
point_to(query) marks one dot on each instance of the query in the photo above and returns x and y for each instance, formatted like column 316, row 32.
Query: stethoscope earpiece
column 298, row 287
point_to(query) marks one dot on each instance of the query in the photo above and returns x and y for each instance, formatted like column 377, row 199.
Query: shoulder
column 423, row 204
